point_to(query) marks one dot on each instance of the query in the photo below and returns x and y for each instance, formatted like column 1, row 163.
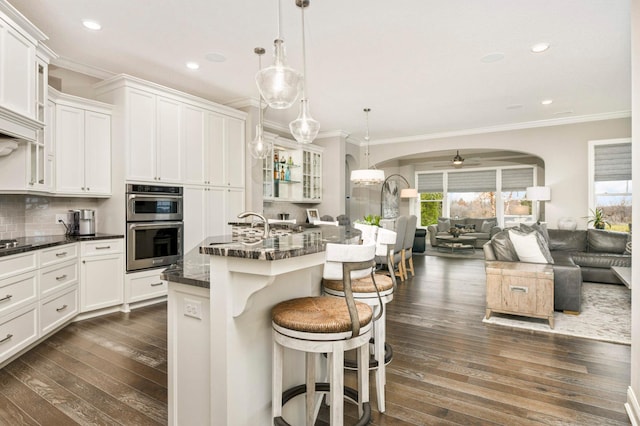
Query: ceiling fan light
column 304, row 128
column 457, row 160
column 279, row 84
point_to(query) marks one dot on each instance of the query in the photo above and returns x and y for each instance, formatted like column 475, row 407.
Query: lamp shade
column 539, row 193
column 409, row 193
column 367, row 176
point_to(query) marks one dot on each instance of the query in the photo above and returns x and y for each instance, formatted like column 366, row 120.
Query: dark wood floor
column 448, row 367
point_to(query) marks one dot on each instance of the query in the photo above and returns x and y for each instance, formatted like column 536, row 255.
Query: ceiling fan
column 457, row 162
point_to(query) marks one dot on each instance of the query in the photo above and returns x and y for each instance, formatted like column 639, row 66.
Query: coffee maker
column 82, row 222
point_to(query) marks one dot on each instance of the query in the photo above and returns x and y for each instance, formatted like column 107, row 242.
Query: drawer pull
column 103, row 247
column 156, row 284
column 519, row 289
column 61, row 277
column 9, row 336
column 62, row 308
column 7, row 297
column 63, row 253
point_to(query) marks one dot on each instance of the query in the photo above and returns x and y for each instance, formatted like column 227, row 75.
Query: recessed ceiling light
column 547, row 102
column 215, row 57
column 492, row 57
column 193, row 65
column 539, row 47
column 92, row 25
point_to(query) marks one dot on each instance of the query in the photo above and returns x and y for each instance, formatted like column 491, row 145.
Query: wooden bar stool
column 328, row 325
column 376, row 290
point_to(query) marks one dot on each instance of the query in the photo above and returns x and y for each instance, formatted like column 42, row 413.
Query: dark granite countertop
column 27, row 244
column 194, row 268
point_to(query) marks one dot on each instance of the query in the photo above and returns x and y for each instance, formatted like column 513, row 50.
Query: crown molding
column 243, row 103
column 82, row 68
column 507, row 127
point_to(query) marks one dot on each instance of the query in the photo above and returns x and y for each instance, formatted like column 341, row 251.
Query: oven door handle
column 155, row 225
column 159, row 196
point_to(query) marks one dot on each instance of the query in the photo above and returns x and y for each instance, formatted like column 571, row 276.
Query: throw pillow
column 627, row 246
column 536, row 227
column 530, row 247
column 444, row 225
column 503, row 248
column 487, row 225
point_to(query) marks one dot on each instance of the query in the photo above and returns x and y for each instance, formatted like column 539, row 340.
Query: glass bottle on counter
column 282, row 173
column 287, row 174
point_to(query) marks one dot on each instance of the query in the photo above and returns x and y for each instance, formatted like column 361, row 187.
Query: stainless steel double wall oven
column 154, row 226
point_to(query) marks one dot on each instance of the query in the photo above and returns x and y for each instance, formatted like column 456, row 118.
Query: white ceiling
column 415, row 63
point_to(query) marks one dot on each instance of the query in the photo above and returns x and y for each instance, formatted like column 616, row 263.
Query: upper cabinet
column 293, row 173
column 175, row 138
column 23, row 67
column 83, row 146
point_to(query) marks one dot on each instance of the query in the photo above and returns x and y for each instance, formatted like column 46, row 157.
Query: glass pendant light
column 304, row 128
column 258, row 147
column 279, row 84
column 367, row 176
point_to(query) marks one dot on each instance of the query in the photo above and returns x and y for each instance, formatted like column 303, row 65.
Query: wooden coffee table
column 457, row 243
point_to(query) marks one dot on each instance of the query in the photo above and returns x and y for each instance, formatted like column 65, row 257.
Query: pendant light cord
column 279, row 20
column 304, row 58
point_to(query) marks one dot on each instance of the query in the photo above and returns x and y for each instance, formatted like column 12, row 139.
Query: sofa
column 481, row 228
column 580, row 255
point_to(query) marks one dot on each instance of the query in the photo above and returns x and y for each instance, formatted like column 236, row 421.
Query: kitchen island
column 219, row 323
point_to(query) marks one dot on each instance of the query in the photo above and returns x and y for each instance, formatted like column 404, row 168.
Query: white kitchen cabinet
column 208, row 211
column 22, row 96
column 58, row 309
column 101, row 274
column 17, row 56
column 83, row 146
column 154, row 147
column 144, row 285
column 214, row 148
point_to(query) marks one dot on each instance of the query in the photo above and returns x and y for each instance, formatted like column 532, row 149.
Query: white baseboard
column 633, row 407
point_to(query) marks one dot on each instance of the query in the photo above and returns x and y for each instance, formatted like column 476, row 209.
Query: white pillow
column 527, row 247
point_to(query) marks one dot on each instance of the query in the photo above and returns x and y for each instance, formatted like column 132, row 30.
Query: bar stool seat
column 330, row 325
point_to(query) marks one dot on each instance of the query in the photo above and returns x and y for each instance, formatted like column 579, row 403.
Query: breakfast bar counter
column 219, row 322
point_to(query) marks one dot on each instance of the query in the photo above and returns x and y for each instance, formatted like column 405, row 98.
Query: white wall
column 633, row 406
column 563, row 148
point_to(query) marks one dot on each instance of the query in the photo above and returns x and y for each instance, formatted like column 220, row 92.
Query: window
column 514, row 191
column 611, row 183
column 472, row 193
column 431, row 189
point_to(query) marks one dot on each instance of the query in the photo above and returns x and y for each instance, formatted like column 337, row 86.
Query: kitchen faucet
column 265, row 234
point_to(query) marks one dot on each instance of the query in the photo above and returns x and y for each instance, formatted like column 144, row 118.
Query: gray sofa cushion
column 487, row 225
column 601, row 260
column 565, row 240
column 443, row 224
column 599, row 241
column 538, row 228
column 503, row 248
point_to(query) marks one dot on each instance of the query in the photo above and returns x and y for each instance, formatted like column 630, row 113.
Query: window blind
column 517, row 179
column 474, row 181
column 430, row 182
column 612, row 162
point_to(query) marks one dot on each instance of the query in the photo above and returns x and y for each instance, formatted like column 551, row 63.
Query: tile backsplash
column 29, row 215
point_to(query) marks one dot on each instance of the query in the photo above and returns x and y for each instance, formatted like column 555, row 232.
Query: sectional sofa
column 481, row 228
column 580, row 255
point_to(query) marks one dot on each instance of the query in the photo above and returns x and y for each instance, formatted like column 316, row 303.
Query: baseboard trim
column 633, row 407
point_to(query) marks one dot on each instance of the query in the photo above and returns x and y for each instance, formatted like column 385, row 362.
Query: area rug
column 605, row 316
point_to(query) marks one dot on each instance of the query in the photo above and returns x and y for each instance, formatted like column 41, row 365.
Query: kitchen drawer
column 58, row 254
column 56, row 310
column 100, row 247
column 55, row 277
column 18, row 264
column 18, row 330
column 18, row 291
column 144, row 287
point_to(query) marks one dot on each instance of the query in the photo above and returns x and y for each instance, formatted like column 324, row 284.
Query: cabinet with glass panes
column 293, row 172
